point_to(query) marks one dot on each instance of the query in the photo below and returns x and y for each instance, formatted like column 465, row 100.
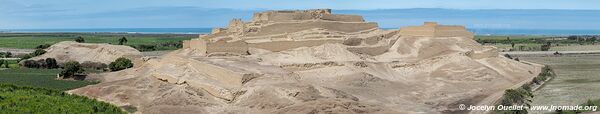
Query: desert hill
column 312, row 61
column 82, row 52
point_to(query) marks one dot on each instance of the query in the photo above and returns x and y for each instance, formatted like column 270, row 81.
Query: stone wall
column 343, row 18
column 285, row 45
column 185, row 44
column 289, row 15
column 373, row 51
column 237, row 47
column 217, row 30
column 417, row 31
column 431, row 29
column 452, row 31
column 280, row 28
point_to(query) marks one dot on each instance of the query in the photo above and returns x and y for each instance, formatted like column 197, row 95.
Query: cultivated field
column 575, row 48
column 578, row 79
column 31, row 40
column 43, row 78
column 28, row 100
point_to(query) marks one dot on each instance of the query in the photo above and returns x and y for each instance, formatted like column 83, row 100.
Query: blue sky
column 19, row 14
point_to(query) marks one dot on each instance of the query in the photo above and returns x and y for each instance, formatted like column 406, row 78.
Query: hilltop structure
column 313, row 61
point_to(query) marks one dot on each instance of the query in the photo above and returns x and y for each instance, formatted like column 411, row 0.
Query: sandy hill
column 81, row 52
column 316, row 69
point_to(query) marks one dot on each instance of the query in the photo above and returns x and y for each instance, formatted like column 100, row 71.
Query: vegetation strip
column 142, row 42
column 17, row 99
column 524, row 94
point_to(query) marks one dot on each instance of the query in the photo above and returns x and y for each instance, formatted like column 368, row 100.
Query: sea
column 486, row 31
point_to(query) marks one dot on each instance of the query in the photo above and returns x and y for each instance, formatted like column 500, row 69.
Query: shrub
column 144, row 47
column 37, row 52
column 51, row 63
column 30, row 64
column 94, row 65
column 27, row 56
column 5, row 54
column 71, row 68
column 2, row 62
column 43, row 46
column 79, row 39
column 120, row 64
column 545, row 47
column 122, row 41
column 41, row 63
column 508, row 56
column 31, row 55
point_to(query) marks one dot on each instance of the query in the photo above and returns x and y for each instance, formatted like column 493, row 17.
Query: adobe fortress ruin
column 283, row 30
column 312, row 61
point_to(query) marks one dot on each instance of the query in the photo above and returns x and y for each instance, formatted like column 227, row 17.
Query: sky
column 36, row 14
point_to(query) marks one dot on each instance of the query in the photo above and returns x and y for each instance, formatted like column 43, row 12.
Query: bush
column 94, row 65
column 2, row 62
column 71, row 68
column 30, row 64
column 27, row 56
column 545, row 47
column 37, row 52
column 508, row 56
column 5, row 54
column 120, row 64
column 51, row 63
column 43, row 46
column 122, row 41
column 79, row 39
column 144, row 47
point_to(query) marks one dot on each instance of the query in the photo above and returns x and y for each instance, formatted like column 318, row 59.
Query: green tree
column 120, row 64
column 8, row 54
column 43, row 46
column 79, row 39
column 2, row 62
column 25, row 57
column 512, row 45
column 31, row 64
column 71, row 68
column 546, row 46
column 38, row 52
column 5, row 54
column 51, row 63
column 122, row 41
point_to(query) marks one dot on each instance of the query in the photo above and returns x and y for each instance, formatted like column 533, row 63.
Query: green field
column 577, row 80
column 575, row 47
column 43, row 78
column 534, row 43
column 31, row 40
column 11, row 64
column 28, row 100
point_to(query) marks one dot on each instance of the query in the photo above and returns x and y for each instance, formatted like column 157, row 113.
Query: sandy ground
column 324, row 78
column 362, row 70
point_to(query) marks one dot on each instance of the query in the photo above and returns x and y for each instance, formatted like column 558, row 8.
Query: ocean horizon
column 477, row 31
